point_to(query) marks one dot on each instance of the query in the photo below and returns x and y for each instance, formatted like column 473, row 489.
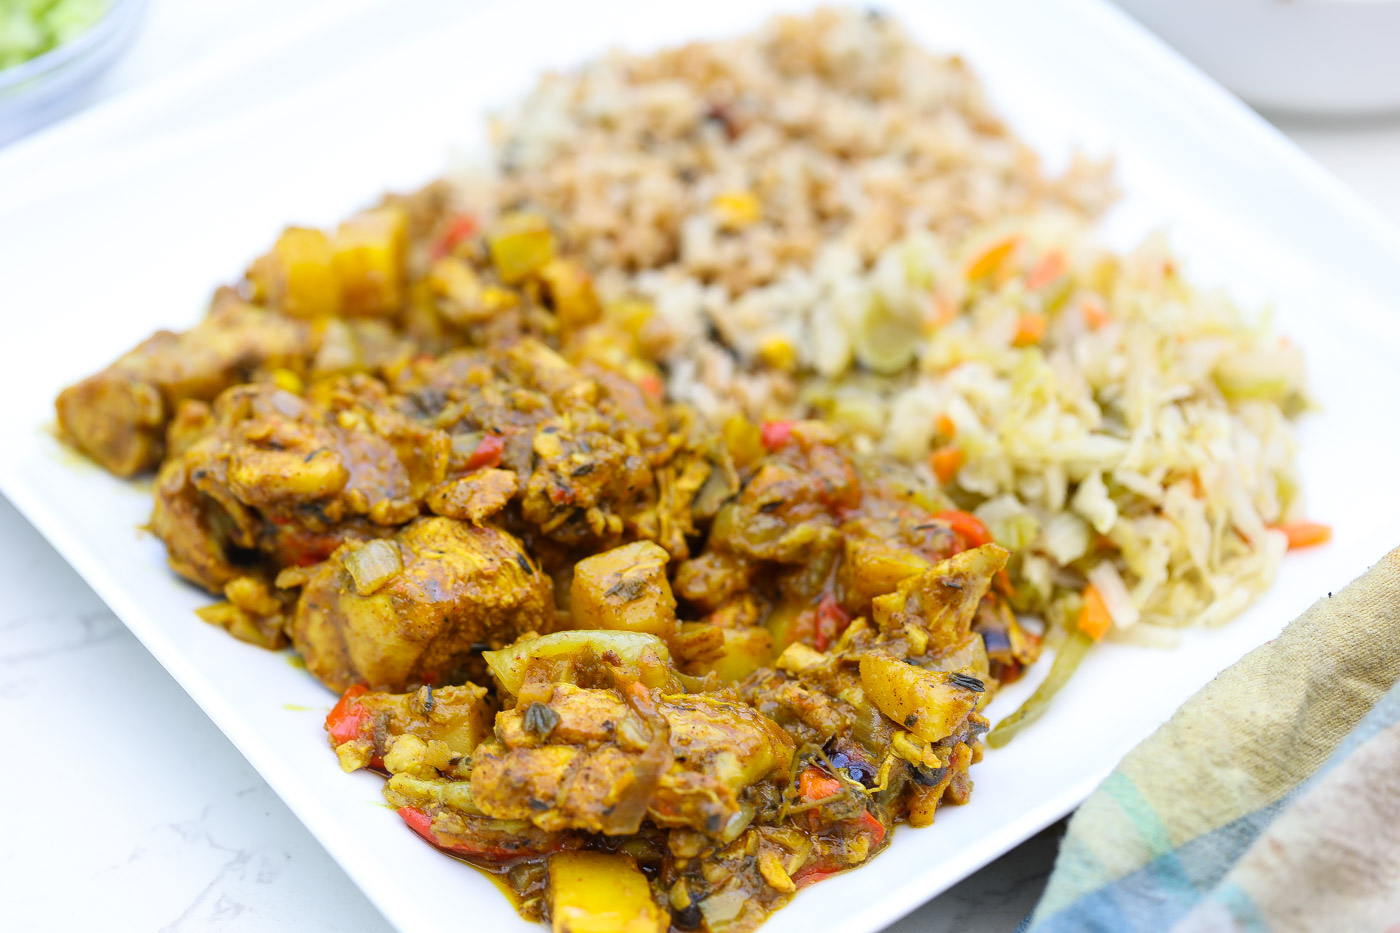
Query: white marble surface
column 128, row 810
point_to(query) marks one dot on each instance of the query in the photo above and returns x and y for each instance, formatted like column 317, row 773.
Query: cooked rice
column 826, row 218
column 734, row 161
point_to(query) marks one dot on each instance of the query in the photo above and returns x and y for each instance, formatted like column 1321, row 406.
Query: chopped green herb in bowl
column 29, row 28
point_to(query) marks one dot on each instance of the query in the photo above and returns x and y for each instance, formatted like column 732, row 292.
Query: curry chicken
column 648, row 671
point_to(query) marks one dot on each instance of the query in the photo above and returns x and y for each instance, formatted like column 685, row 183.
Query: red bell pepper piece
column 346, row 721
column 461, row 228
column 422, row 824
column 775, row 434
column 967, row 526
column 487, row 453
column 831, row 621
column 349, row 720
column 815, row 784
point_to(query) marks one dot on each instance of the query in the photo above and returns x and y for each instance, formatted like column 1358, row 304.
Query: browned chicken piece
column 474, row 497
column 416, row 608
column 118, row 416
column 423, row 733
column 601, row 759
column 277, row 479
column 252, row 611
column 785, row 520
column 598, row 460
column 898, row 698
column 940, row 603
column 316, row 305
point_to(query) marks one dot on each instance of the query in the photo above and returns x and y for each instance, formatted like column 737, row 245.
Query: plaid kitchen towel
column 1269, row 802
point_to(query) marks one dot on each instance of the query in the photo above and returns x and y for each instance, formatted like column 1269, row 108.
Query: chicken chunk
column 420, row 733
column 474, row 497
column 601, row 759
column 943, row 600
column 598, row 461
column 118, row 416
column 420, row 614
column 282, row 479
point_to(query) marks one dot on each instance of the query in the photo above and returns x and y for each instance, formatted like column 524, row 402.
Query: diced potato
column 601, row 892
column 923, row 802
column 369, row 259
column 873, row 568
column 926, row 703
column 625, row 589
column 298, row 275
column 570, row 293
column 646, row 654
column 797, row 657
column 743, row 651
column 784, row 621
column 744, row 440
column 521, row 245
column 630, row 314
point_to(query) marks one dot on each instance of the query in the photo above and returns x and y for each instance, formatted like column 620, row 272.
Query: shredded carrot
column 946, row 462
column 941, row 312
column 1094, row 619
column 816, row 784
column 1046, row 271
column 991, row 258
column 1030, row 329
column 946, row 427
column 1305, row 534
column 1095, row 314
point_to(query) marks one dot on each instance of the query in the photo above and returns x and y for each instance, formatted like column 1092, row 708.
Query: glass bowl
column 50, row 86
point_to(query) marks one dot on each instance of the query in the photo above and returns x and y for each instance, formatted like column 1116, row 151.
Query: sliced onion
column 721, row 908
column 1116, row 598
column 372, row 565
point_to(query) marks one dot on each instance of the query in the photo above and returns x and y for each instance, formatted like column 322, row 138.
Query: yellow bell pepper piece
column 601, row 892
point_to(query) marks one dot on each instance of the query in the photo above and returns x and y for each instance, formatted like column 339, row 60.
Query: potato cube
column 369, row 258
column 570, row 290
column 521, row 245
column 744, row 651
column 298, row 275
column 625, row 589
column 873, row 568
column 930, row 704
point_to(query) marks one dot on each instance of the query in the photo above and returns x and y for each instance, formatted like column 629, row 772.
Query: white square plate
column 123, row 221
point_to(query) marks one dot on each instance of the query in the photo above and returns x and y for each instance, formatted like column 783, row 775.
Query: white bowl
column 50, row 86
column 1300, row 56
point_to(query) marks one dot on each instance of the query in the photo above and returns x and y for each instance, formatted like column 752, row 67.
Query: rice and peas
column 823, row 217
